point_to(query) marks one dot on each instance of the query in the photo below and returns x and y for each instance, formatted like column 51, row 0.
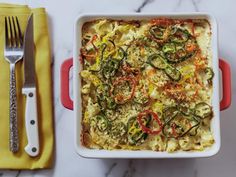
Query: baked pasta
column 147, row 85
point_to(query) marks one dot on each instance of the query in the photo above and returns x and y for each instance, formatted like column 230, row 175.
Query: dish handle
column 226, row 84
column 65, row 82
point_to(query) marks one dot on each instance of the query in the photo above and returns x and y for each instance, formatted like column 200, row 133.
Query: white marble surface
column 67, row 163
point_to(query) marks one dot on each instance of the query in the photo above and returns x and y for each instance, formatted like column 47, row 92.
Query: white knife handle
column 31, row 121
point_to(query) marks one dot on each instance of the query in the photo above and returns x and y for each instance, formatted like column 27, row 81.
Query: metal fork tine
column 6, row 33
column 19, row 32
column 11, row 33
column 17, row 41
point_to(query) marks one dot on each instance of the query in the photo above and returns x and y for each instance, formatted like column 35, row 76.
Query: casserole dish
column 83, row 151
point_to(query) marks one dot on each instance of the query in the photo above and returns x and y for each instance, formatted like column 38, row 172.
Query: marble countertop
column 67, row 163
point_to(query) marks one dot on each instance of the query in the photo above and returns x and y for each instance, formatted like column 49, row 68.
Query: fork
column 13, row 53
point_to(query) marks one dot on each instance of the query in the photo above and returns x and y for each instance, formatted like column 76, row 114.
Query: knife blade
column 29, row 90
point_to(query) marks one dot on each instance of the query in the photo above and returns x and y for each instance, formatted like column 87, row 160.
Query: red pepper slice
column 121, row 98
column 90, row 56
column 83, row 53
column 94, row 38
column 173, row 128
column 162, row 21
column 146, row 129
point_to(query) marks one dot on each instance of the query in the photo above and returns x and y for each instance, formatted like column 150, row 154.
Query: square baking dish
column 67, row 102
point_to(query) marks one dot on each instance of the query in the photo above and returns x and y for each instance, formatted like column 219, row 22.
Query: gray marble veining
column 144, row 3
column 130, row 171
column 195, row 5
column 109, row 170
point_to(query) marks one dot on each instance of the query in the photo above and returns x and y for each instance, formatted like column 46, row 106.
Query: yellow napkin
column 21, row 160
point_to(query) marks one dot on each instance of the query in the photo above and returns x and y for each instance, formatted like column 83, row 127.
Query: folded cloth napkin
column 21, row 160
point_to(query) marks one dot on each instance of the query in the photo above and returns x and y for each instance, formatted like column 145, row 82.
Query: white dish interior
column 215, row 123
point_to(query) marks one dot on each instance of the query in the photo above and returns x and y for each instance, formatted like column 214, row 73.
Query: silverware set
column 16, row 49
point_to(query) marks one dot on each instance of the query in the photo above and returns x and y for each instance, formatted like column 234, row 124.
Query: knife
column 29, row 90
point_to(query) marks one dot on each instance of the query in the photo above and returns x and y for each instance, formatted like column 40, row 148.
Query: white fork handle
column 31, row 121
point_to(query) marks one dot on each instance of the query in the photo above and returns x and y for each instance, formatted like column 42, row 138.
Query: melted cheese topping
column 122, row 76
